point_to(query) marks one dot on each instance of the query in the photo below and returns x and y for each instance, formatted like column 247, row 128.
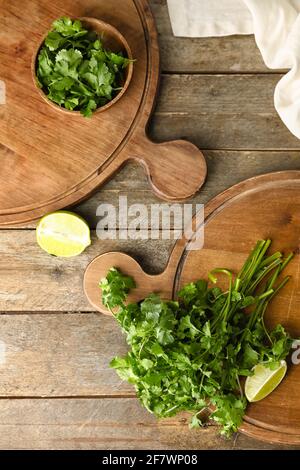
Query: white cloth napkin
column 205, row 18
column 276, row 25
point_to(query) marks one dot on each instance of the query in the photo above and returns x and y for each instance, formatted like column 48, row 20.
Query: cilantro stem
column 253, row 263
column 270, row 259
column 175, row 365
column 172, row 409
column 287, row 261
column 225, row 310
column 266, row 294
column 281, row 286
column 239, row 385
column 263, row 274
column 142, row 347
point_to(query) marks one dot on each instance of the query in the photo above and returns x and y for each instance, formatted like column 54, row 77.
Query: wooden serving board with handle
column 263, row 207
column 50, row 159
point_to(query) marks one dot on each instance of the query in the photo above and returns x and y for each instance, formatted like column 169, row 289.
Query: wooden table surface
column 56, row 388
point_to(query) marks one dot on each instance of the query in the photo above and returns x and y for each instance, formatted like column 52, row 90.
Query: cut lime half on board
column 63, row 234
column 264, row 381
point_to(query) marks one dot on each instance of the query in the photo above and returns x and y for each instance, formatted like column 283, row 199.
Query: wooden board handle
column 176, row 170
column 145, row 283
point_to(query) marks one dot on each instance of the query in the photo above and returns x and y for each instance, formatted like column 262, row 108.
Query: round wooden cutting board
column 264, row 207
column 50, row 159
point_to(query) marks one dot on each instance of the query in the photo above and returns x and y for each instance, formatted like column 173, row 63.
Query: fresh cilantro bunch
column 190, row 354
column 75, row 71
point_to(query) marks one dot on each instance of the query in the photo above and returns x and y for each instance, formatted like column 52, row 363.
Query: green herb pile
column 189, row 355
column 75, row 71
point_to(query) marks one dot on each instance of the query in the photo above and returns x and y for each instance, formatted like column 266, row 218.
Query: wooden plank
column 60, row 355
column 225, row 168
column 31, row 280
column 217, row 94
column 65, row 356
column 204, row 55
column 222, row 112
column 58, row 282
column 105, row 424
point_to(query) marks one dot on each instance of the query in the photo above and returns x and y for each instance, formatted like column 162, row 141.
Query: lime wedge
column 264, row 381
column 63, row 234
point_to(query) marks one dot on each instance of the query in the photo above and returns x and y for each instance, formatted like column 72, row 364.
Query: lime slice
column 63, row 234
column 264, row 381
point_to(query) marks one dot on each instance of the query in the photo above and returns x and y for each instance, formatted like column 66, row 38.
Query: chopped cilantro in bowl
column 76, row 71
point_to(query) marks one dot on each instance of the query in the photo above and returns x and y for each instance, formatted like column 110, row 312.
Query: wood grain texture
column 58, row 283
column 68, row 356
column 51, row 159
column 222, row 112
column 102, row 424
column 145, row 284
column 60, row 355
column 264, row 207
column 231, row 54
column 241, row 116
column 260, row 208
column 225, row 168
column 32, row 131
column 31, row 280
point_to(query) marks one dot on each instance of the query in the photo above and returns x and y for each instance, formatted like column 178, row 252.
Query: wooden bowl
column 112, row 40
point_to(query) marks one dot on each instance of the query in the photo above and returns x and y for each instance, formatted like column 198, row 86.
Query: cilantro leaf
column 75, row 71
column 67, row 27
column 115, row 288
column 188, row 355
column 54, row 40
column 67, row 63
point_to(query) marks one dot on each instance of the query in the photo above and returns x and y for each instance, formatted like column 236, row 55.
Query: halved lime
column 264, row 381
column 63, row 234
